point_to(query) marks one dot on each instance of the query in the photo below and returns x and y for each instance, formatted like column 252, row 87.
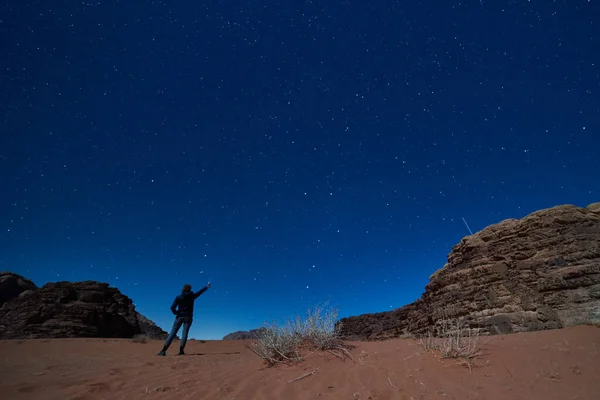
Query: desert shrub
column 316, row 331
column 140, row 338
column 277, row 344
column 452, row 338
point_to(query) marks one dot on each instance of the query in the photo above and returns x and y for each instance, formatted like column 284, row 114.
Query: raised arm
column 199, row 292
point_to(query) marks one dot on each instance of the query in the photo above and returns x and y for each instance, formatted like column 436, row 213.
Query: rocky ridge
column 245, row 335
column 539, row 272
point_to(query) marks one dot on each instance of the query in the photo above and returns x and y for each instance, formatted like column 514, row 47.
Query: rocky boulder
column 72, row 309
column 539, row 272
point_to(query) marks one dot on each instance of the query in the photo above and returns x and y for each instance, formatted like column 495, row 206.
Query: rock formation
column 12, row 285
column 69, row 309
column 244, row 335
column 150, row 329
column 540, row 272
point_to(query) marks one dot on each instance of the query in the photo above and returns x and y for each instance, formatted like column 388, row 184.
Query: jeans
column 187, row 323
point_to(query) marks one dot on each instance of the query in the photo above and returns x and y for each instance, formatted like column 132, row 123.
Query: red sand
column 560, row 364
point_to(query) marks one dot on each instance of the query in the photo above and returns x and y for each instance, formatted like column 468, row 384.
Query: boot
column 181, row 353
column 163, row 352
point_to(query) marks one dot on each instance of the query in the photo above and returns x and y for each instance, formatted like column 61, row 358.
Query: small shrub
column 277, row 344
column 452, row 338
column 317, row 331
column 141, row 338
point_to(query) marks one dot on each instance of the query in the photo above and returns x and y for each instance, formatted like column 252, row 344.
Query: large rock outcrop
column 539, row 272
column 71, row 309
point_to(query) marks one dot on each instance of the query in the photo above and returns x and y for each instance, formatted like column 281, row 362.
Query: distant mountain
column 68, row 309
column 244, row 335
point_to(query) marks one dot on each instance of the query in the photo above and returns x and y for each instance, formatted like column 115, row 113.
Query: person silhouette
column 183, row 309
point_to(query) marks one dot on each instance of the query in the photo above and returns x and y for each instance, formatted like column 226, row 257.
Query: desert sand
column 559, row 364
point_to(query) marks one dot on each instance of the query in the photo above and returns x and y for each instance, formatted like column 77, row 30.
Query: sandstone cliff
column 69, row 309
column 540, row 272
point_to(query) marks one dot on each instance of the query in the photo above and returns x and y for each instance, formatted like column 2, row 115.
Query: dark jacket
column 183, row 305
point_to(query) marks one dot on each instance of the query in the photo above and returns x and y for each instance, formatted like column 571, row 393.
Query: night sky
column 288, row 152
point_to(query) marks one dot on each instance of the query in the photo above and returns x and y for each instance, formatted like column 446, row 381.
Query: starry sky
column 288, row 152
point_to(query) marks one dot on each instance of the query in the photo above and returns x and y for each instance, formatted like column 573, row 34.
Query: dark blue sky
column 289, row 152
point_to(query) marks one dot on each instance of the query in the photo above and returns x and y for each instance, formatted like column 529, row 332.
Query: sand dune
column 560, row 364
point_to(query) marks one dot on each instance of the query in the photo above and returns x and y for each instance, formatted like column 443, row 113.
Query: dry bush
column 318, row 328
column 317, row 331
column 276, row 344
column 140, row 338
column 452, row 338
